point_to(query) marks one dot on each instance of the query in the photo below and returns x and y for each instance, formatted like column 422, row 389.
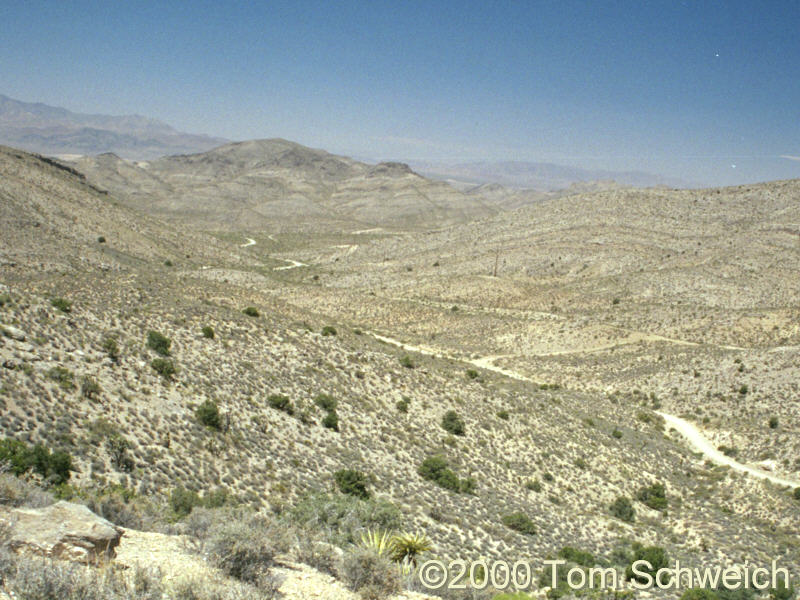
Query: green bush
column 183, row 501
column 773, row 422
column 331, row 421
column 403, row 404
column 616, row 434
column 62, row 304
column 111, row 348
column 64, row 377
column 452, row 423
column 781, row 592
column 54, row 467
column 208, row 414
column 90, row 389
column 796, row 493
column 251, row 311
column 623, row 509
column 519, row 522
column 436, row 469
column 281, row 403
column 533, row 486
column 653, row 496
column 655, row 555
column 503, row 414
column 208, row 332
column 472, row 374
column 328, row 330
column 158, row 342
column 164, row 367
column 579, row 557
column 351, row 482
column 406, row 362
column 325, row 402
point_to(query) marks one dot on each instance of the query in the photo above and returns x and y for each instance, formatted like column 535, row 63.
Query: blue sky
column 685, row 89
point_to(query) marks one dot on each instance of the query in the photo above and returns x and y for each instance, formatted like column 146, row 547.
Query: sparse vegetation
column 328, row 330
column 325, row 402
column 251, row 311
column 63, row 376
column 436, row 469
column 53, row 467
column 164, row 367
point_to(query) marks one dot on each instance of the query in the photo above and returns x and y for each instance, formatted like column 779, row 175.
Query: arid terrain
column 558, row 329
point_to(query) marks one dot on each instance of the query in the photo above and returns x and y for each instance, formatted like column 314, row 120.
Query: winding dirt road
column 689, row 431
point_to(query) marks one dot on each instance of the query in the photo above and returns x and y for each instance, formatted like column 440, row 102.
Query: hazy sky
column 686, row 89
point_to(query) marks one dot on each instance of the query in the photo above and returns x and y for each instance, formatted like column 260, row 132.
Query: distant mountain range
column 535, row 175
column 50, row 130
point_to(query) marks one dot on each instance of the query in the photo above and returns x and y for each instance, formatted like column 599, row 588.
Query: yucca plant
column 380, row 542
column 407, row 546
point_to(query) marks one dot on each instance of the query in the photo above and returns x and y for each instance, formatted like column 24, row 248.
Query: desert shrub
column 62, row 304
column 653, row 496
column 208, row 414
column 519, row 522
column 158, row 342
column 325, row 402
column 101, row 239
column 316, row 553
column 743, row 390
column 208, row 332
column 340, row 517
column 281, row 403
column 728, row 450
column 251, row 311
column 32, row 578
column 373, row 576
column 796, row 493
column 406, row 362
column 63, row 376
column 245, row 548
column 579, row 557
column 616, row 434
column 183, row 501
column 655, row 555
column 117, row 447
column 472, row 374
column 164, row 367
column 781, row 592
column 4, row 299
column 699, row 594
column 623, row 510
column 200, row 588
column 352, row 482
column 773, row 422
column 452, row 423
column 111, row 348
column 18, row 492
column 54, row 467
column 90, row 389
column 403, row 404
column 328, row 330
column 436, row 469
column 533, row 485
column 331, row 421
column 502, row 414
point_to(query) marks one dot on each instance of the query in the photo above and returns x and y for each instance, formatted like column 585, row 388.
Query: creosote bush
column 281, row 403
column 352, row 482
column 519, row 522
column 331, row 421
column 61, row 304
column 164, row 367
column 158, row 342
column 436, row 469
column 208, row 332
column 208, row 414
column 251, row 311
column 452, row 423
column 653, row 496
column 623, row 509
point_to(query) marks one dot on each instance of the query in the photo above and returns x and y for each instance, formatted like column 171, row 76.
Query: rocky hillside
column 277, row 185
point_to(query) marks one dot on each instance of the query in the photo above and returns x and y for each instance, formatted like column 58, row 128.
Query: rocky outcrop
column 63, row 530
